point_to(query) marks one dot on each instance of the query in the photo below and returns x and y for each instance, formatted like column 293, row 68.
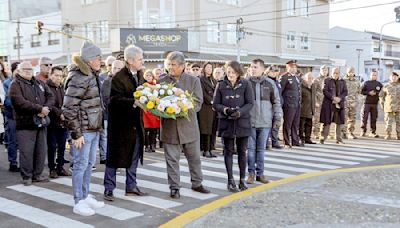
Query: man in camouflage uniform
column 390, row 102
column 319, row 96
column 353, row 88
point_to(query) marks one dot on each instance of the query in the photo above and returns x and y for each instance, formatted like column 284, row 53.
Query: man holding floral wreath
column 182, row 134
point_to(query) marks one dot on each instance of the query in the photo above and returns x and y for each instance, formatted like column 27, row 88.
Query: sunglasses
column 27, row 69
column 48, row 65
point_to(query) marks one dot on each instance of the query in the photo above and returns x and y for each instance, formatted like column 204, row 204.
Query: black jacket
column 240, row 97
column 291, row 90
column 368, row 86
column 82, row 108
column 307, row 101
column 28, row 97
column 55, row 110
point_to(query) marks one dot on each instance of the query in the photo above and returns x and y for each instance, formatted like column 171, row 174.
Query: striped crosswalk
column 152, row 177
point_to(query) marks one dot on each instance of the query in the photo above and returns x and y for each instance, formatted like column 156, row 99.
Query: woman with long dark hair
column 207, row 116
column 233, row 100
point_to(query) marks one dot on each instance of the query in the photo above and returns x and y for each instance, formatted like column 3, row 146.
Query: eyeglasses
column 195, row 69
column 27, row 69
column 49, row 64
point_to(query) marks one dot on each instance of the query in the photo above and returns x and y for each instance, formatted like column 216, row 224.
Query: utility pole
column 19, row 40
column 239, row 36
column 359, row 54
column 67, row 29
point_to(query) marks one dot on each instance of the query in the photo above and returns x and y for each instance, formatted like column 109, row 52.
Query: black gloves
column 229, row 111
column 235, row 115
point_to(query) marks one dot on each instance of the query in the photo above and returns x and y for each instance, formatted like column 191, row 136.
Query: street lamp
column 380, row 49
column 359, row 50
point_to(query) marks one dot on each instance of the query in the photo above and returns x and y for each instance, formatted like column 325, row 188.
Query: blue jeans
column 130, row 182
column 84, row 159
column 11, row 140
column 103, row 142
column 273, row 134
column 256, row 147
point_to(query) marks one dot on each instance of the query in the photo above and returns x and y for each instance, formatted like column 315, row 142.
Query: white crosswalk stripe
column 38, row 216
column 361, row 149
column 308, row 158
column 147, row 200
column 329, row 155
column 162, row 187
column 343, row 151
column 66, row 199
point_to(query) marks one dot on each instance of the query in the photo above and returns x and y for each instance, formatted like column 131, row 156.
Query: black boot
column 242, row 185
column 232, row 186
column 153, row 148
column 147, row 149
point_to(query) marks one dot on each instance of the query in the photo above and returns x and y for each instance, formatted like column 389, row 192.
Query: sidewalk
column 364, row 197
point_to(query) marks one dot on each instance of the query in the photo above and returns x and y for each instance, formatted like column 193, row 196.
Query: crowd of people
column 89, row 110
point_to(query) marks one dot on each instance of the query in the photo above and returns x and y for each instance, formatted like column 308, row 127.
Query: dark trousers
column 32, row 145
column 229, row 148
column 291, row 122
column 305, row 129
column 273, row 134
column 56, row 138
column 206, row 142
column 150, row 136
column 10, row 140
column 130, row 182
column 366, row 110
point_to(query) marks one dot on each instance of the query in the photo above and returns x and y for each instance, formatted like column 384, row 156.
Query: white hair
column 110, row 59
column 132, row 52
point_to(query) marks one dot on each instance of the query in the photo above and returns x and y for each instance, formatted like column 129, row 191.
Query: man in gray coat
column 182, row 135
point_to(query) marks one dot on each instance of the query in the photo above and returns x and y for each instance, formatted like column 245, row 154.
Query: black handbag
column 41, row 122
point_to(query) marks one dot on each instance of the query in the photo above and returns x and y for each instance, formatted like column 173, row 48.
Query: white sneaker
column 93, row 203
column 81, row 208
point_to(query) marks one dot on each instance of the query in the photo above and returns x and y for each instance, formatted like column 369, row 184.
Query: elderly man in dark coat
column 307, row 108
column 125, row 125
column 182, row 135
column 335, row 92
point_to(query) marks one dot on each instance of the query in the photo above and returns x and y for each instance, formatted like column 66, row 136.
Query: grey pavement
column 359, row 199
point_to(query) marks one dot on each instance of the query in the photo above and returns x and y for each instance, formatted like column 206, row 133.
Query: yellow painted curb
column 196, row 213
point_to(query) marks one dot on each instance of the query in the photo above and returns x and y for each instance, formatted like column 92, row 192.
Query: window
column 213, row 32
column 291, row 7
column 291, row 40
column 304, row 42
column 304, row 7
column 90, row 31
column 231, row 33
column 103, row 33
column 376, row 47
column 21, row 45
column 154, row 18
column 337, row 46
column 233, row 2
column 35, row 40
column 87, row 2
column 54, row 38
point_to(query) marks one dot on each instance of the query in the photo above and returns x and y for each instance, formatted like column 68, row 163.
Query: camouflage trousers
column 317, row 126
column 390, row 119
column 350, row 117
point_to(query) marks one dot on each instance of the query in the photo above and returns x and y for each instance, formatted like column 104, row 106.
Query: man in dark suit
column 291, row 94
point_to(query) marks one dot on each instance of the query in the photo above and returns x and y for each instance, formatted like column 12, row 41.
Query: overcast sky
column 370, row 19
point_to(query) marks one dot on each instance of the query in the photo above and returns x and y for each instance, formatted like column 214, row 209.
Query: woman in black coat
column 233, row 100
column 332, row 110
column 207, row 116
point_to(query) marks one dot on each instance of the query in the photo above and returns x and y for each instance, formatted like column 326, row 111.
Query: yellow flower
column 137, row 94
column 150, row 105
column 170, row 110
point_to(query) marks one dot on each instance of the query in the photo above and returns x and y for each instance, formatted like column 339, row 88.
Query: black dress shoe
column 277, row 146
column 299, row 145
column 103, row 161
column 108, row 195
column 65, row 161
column 201, row 189
column 208, row 154
column 14, row 169
column 175, row 194
column 309, row 142
column 136, row 191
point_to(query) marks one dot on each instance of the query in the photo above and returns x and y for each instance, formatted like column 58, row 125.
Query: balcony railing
column 393, row 54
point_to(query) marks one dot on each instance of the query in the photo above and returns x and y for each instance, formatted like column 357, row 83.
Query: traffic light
column 397, row 11
column 39, row 26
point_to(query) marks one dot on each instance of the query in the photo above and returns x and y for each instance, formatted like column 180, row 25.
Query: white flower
column 164, row 86
column 140, row 87
column 161, row 107
column 174, row 89
column 177, row 110
column 142, row 99
column 162, row 92
column 158, row 86
column 169, row 92
column 155, row 93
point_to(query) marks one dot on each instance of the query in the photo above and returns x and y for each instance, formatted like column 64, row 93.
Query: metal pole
column 359, row 54
column 239, row 34
column 19, row 40
column 380, row 69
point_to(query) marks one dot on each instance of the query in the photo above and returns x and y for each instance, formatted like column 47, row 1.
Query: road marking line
column 328, row 155
column 162, row 187
column 38, row 216
column 147, row 200
column 346, row 151
column 68, row 200
column 378, row 150
column 184, row 179
column 309, row 158
column 294, row 162
column 196, row 213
